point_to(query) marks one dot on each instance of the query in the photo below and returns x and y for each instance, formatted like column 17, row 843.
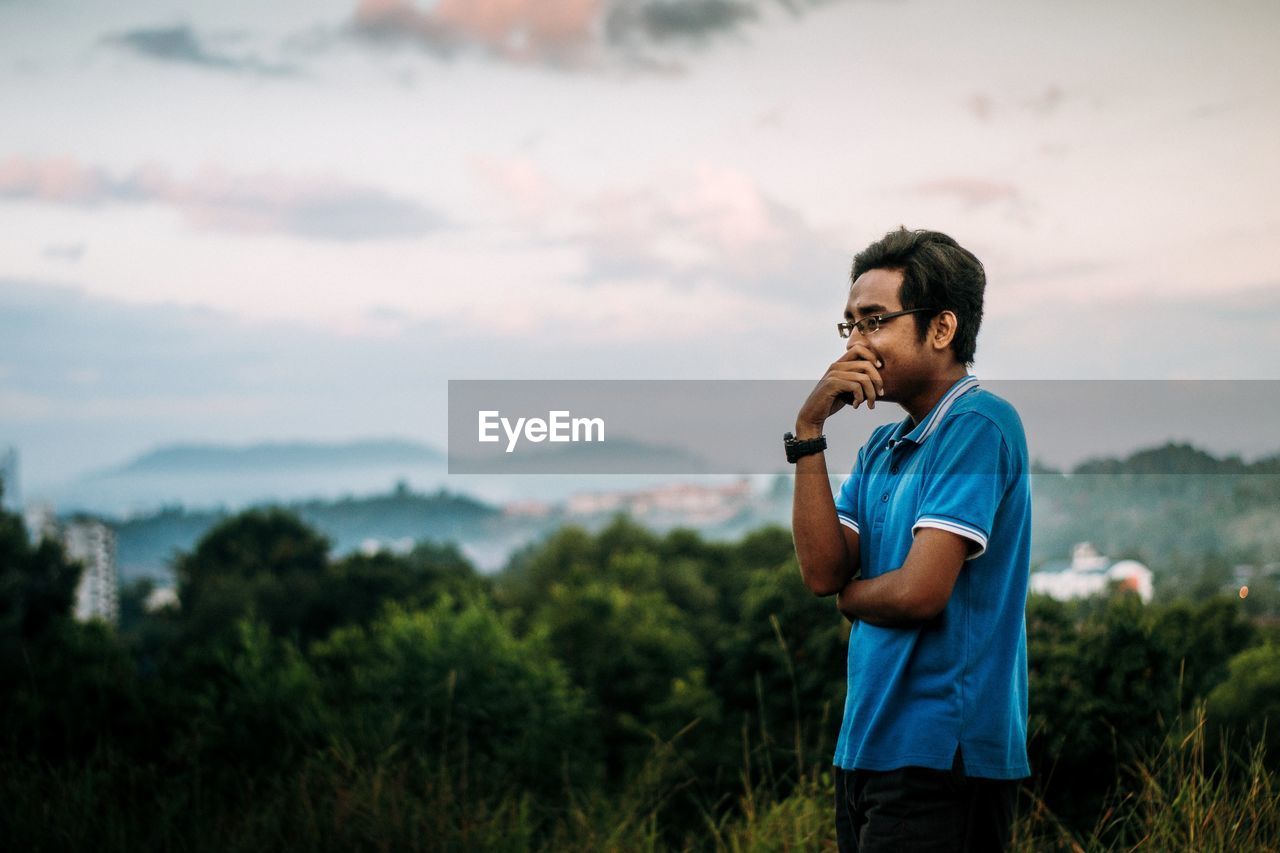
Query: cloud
column 71, row 253
column 181, row 45
column 971, row 192
column 564, row 33
column 1107, row 343
column 708, row 225
column 165, row 372
column 664, row 20
column 314, row 208
column 520, row 30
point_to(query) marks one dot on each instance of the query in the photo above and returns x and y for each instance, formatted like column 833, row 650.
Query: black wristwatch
column 797, row 448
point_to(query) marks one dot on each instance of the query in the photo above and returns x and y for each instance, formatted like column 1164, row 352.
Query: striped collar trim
column 933, row 420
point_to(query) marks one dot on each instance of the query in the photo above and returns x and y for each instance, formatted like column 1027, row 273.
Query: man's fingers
column 869, row 363
column 860, row 352
column 862, row 372
column 854, row 389
column 848, row 392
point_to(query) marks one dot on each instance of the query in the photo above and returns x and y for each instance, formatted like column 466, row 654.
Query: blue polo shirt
column 960, row 679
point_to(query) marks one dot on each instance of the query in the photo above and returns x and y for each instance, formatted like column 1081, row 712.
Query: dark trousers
column 918, row 809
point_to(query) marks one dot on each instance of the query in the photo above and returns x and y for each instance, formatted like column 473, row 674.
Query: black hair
column 937, row 273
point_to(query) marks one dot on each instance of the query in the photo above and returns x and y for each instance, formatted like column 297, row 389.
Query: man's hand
column 851, row 379
column 827, row 550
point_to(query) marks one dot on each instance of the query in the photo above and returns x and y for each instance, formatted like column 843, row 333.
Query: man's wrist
column 805, row 431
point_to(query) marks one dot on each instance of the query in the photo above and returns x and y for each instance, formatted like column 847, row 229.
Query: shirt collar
column 921, row 431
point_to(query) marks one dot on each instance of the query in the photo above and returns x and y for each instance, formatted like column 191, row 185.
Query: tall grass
column 1186, row 797
column 1193, row 793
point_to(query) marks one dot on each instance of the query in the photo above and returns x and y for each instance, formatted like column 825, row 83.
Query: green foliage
column 1107, row 676
column 270, row 566
column 37, row 584
column 258, row 706
column 69, row 691
column 623, row 690
column 1199, row 640
column 264, row 564
column 64, row 687
column 1249, row 700
column 1189, row 792
column 456, row 686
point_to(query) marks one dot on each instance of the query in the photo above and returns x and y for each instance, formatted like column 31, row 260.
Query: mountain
column 278, row 456
column 215, row 476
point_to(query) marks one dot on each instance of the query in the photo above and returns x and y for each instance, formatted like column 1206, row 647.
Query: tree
column 1200, row 639
column 37, row 584
column 453, row 687
column 1100, row 696
column 262, row 563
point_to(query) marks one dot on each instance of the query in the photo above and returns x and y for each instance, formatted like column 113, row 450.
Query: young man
column 927, row 548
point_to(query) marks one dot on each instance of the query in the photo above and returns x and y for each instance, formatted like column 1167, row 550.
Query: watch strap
column 798, row 448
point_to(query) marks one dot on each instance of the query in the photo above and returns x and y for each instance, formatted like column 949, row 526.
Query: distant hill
column 279, row 456
column 213, row 476
column 146, row 544
column 1177, row 508
column 1169, row 459
column 619, row 455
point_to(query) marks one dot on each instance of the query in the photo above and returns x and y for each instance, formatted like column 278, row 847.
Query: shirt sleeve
column 968, row 477
column 847, row 497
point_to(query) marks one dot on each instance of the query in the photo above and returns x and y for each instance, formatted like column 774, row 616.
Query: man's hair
column 937, row 273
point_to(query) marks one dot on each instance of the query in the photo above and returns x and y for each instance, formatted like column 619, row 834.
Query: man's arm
column 915, row 592
column 826, row 549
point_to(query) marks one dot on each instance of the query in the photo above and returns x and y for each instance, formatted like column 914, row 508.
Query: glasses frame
column 868, row 325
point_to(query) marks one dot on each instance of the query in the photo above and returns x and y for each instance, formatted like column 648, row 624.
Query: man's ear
column 943, row 330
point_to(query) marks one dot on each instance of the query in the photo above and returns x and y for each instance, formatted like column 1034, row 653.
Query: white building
column 161, row 598
column 93, row 544
column 41, row 522
column 1090, row 573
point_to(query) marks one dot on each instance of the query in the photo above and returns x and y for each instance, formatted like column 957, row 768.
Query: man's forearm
column 882, row 600
column 825, row 562
column 916, row 591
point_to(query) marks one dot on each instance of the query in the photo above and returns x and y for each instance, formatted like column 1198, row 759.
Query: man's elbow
column 822, row 582
column 822, row 586
column 823, row 590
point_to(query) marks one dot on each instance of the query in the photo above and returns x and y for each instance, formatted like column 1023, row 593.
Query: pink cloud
column 514, row 29
column 565, row 33
column 56, row 179
column 317, row 208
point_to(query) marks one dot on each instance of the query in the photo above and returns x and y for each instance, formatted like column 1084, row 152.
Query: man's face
column 896, row 342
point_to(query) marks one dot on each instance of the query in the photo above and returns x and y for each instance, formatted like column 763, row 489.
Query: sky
column 236, row 222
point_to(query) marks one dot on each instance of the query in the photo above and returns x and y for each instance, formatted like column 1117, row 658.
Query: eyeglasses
column 867, row 325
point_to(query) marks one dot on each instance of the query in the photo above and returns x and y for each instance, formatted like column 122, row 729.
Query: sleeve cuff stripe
column 849, row 523
column 959, row 529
